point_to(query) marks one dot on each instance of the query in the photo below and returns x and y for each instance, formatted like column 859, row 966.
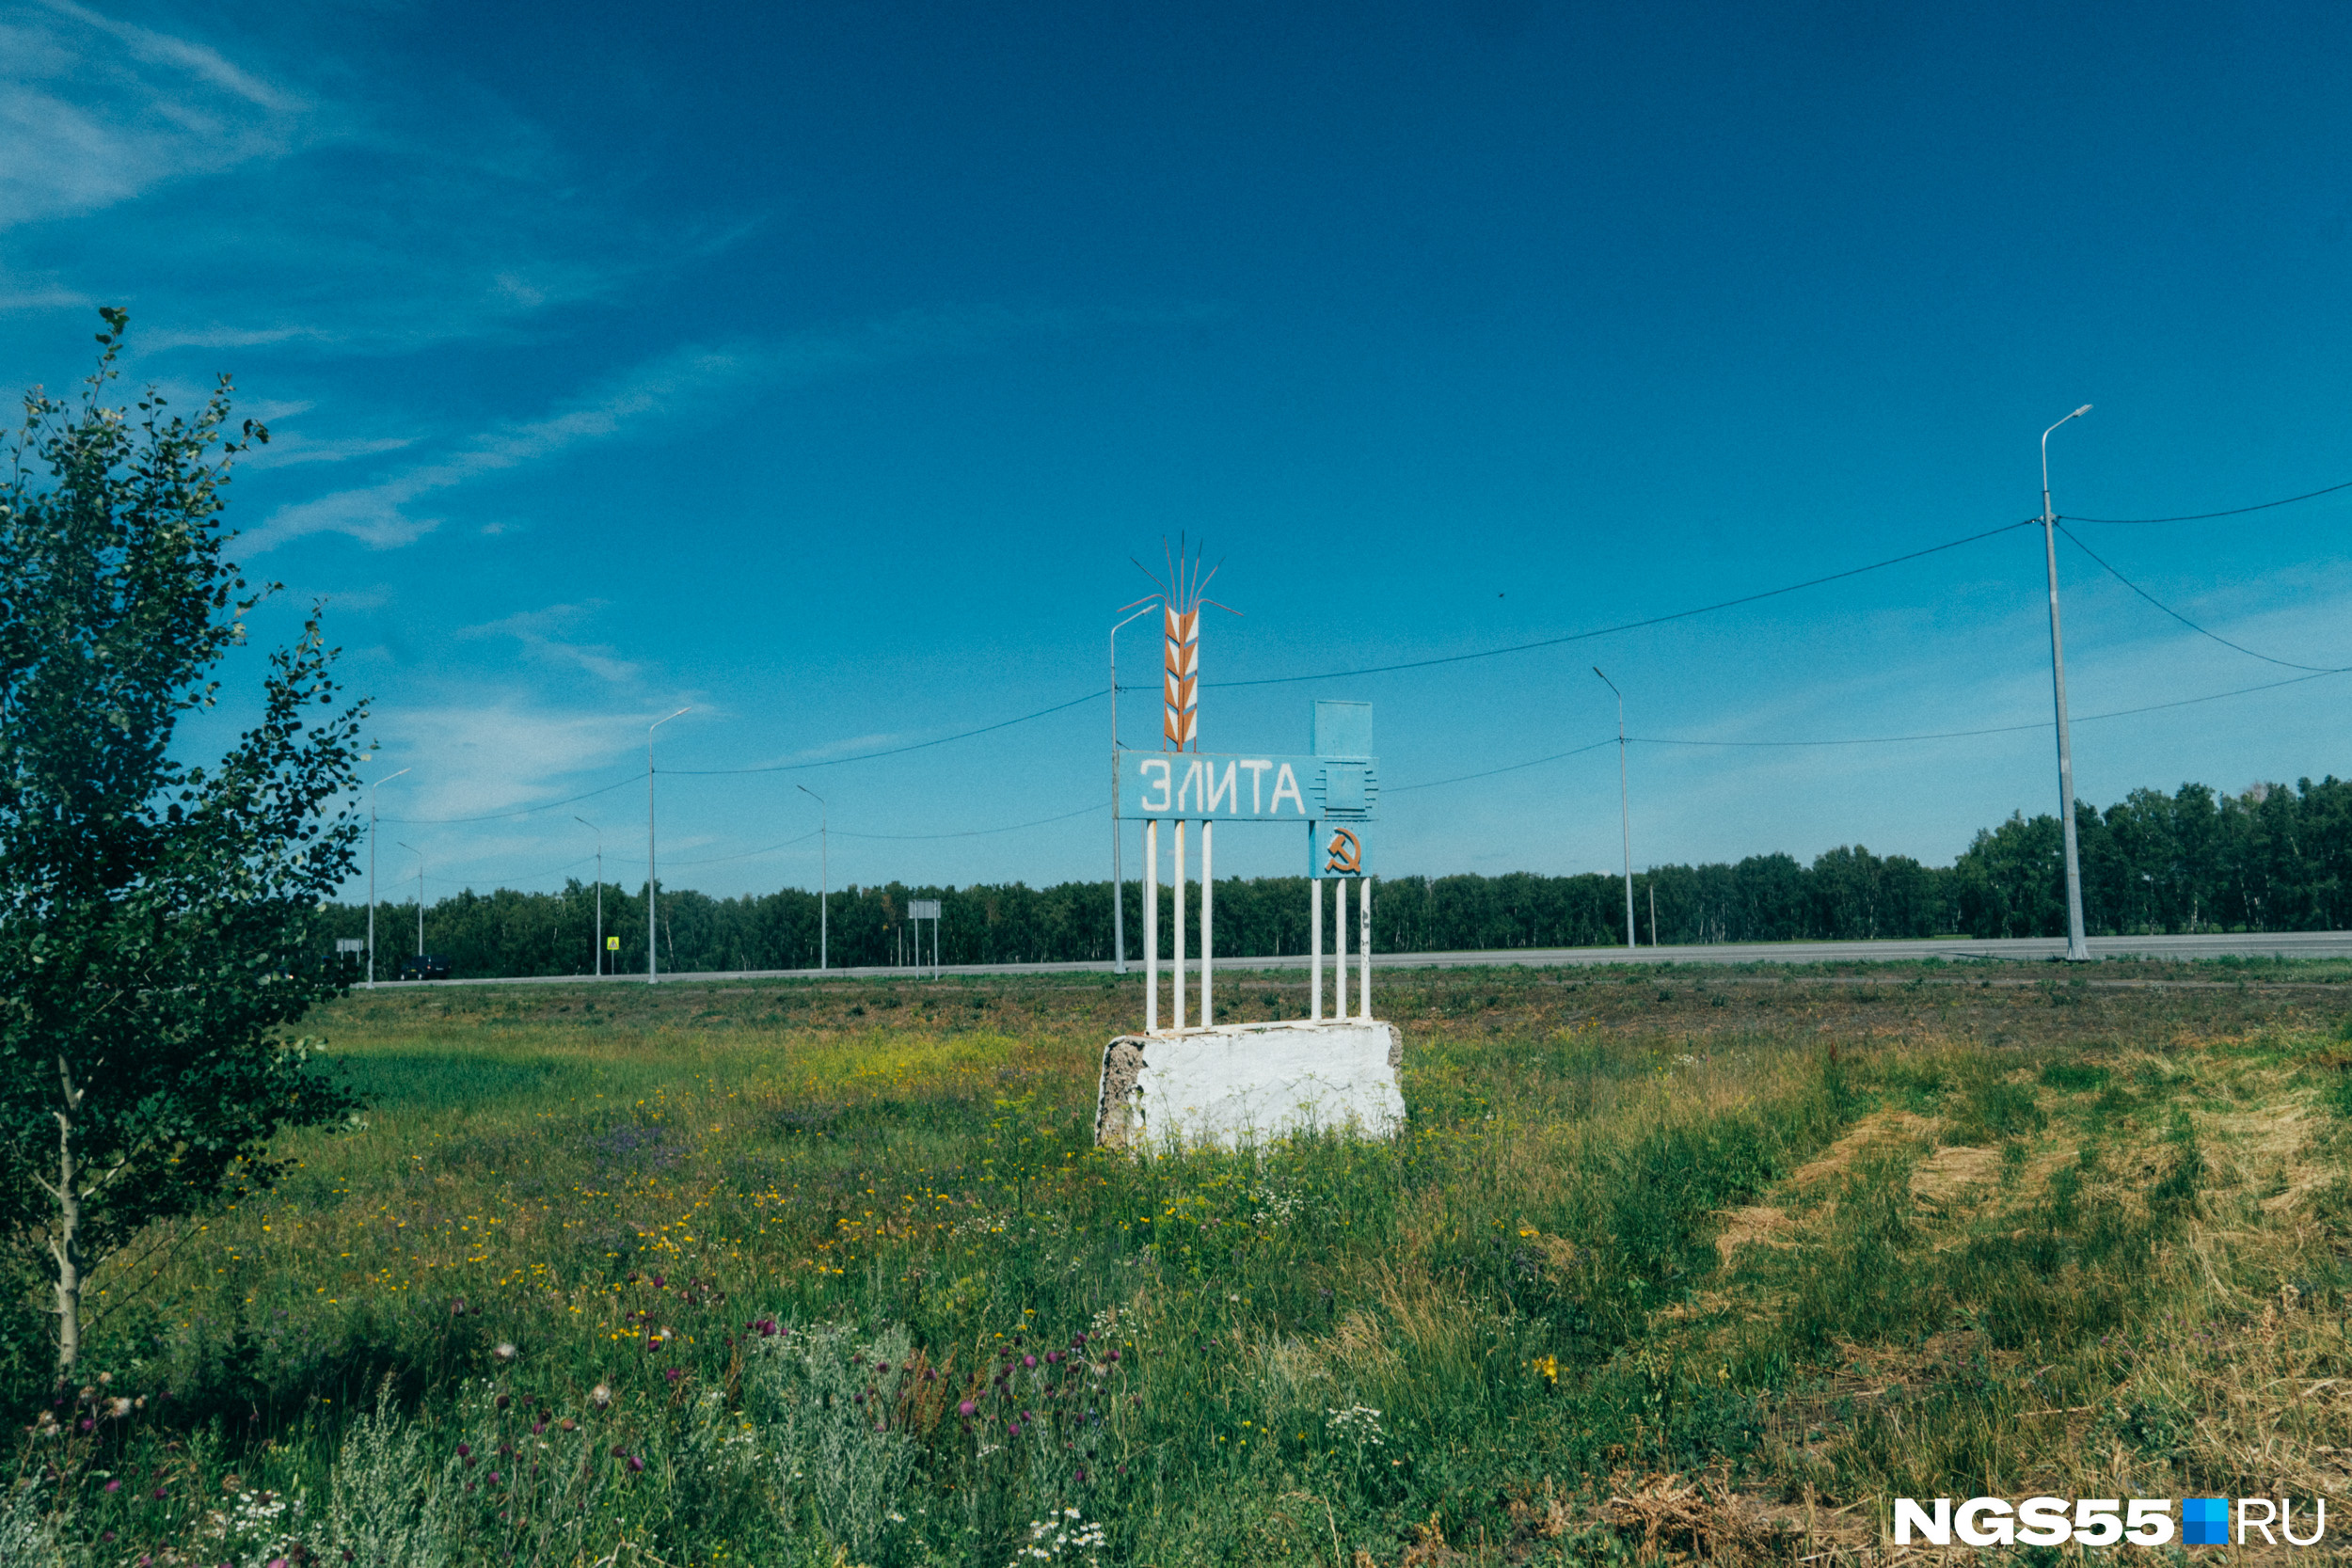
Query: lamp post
column 824, row 877
column 652, row 887
column 598, row 968
column 372, row 790
column 419, row 854
column 2077, row 949
column 1625, row 810
column 1118, row 883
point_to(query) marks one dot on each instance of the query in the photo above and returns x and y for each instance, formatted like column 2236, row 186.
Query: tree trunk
column 66, row 1247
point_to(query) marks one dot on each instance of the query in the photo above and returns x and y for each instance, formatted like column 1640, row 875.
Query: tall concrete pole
column 2078, row 948
column 372, row 790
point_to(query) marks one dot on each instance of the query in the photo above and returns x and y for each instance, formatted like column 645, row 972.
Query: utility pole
column 824, row 878
column 2077, row 949
column 1118, row 881
column 372, row 790
column 419, row 854
column 1625, row 813
column 598, row 968
column 652, row 887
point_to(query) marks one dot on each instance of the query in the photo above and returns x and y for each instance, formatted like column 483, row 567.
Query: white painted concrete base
column 1246, row 1082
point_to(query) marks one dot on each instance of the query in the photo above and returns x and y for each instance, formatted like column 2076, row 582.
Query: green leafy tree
column 154, row 916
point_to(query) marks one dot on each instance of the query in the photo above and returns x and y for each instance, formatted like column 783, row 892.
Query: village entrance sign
column 1206, row 1082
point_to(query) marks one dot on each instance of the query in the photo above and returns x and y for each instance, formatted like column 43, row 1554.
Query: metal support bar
column 1315, row 949
column 1339, row 949
column 1152, row 927
column 1208, row 931
column 1176, row 993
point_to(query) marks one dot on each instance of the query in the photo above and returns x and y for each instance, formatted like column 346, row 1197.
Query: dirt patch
column 1674, row 1519
column 1878, row 1127
column 1947, row 1173
column 1761, row 1225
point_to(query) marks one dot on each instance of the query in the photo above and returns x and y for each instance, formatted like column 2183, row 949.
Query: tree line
column 2272, row 858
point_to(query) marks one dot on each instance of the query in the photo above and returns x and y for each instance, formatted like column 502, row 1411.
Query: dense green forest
column 2271, row 858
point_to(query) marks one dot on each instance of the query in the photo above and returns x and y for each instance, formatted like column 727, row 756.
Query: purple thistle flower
column 635, row 1465
column 659, row 1283
column 1012, row 1429
column 115, row 1485
column 464, row 1449
column 619, row 1452
column 882, row 1366
column 1028, row 1360
column 931, row 1374
column 1053, row 1357
column 159, row 1493
column 966, row 1408
column 496, row 1477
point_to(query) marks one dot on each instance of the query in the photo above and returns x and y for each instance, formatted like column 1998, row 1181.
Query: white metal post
column 2076, row 947
column 1315, row 949
column 1176, row 990
column 1364, row 945
column 1208, row 931
column 1339, row 949
column 1152, row 927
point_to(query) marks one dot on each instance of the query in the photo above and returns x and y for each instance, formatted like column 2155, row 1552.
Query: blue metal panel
column 1343, row 729
column 1337, row 849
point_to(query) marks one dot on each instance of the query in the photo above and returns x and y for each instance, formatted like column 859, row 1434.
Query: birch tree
column 154, row 912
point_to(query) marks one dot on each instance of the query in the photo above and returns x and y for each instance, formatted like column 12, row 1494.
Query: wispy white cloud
column 397, row 510
column 95, row 111
column 544, row 633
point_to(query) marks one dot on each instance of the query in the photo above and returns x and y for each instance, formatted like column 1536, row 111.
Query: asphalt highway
column 2268, row 945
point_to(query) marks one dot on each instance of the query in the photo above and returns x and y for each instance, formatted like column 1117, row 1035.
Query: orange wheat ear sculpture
column 1181, row 600
column 1181, row 700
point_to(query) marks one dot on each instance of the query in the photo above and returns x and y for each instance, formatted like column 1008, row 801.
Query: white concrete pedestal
column 1249, row 1083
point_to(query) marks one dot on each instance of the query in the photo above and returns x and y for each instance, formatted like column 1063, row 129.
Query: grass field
column 1668, row 1261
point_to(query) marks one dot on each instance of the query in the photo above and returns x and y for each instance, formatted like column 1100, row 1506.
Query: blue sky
column 821, row 366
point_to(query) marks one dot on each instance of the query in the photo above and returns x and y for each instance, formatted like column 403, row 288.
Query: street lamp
column 1625, row 810
column 652, row 887
column 372, row 790
column 599, row 948
column 824, row 877
column 2077, row 949
column 1118, row 882
column 419, row 854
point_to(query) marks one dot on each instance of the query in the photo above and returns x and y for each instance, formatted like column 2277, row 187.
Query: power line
column 1465, row 777
column 2202, row 516
column 1629, row 626
column 893, row 751
column 982, row 833
column 783, row 844
column 2237, row 647
column 510, row 816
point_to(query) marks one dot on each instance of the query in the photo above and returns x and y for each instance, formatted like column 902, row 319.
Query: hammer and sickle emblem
column 1347, row 854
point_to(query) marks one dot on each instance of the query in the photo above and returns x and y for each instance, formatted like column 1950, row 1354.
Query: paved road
column 2277, row 944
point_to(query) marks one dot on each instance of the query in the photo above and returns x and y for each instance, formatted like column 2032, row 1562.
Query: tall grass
column 835, row 1274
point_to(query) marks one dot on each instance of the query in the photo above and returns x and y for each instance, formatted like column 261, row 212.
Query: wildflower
column 506, row 1351
column 675, row 1373
column 600, row 1396
column 882, row 1366
column 115, row 1485
column 569, row 1424
column 494, row 1478
column 1028, row 1360
column 1013, row 1428
column 1113, row 1357
column 503, row 1402
column 635, row 1465
column 118, row 1407
column 659, row 1283
column 1053, row 1357
column 457, row 1307
column 966, row 1408
column 464, row 1449
column 159, row 1493
column 619, row 1452
column 931, row 1374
